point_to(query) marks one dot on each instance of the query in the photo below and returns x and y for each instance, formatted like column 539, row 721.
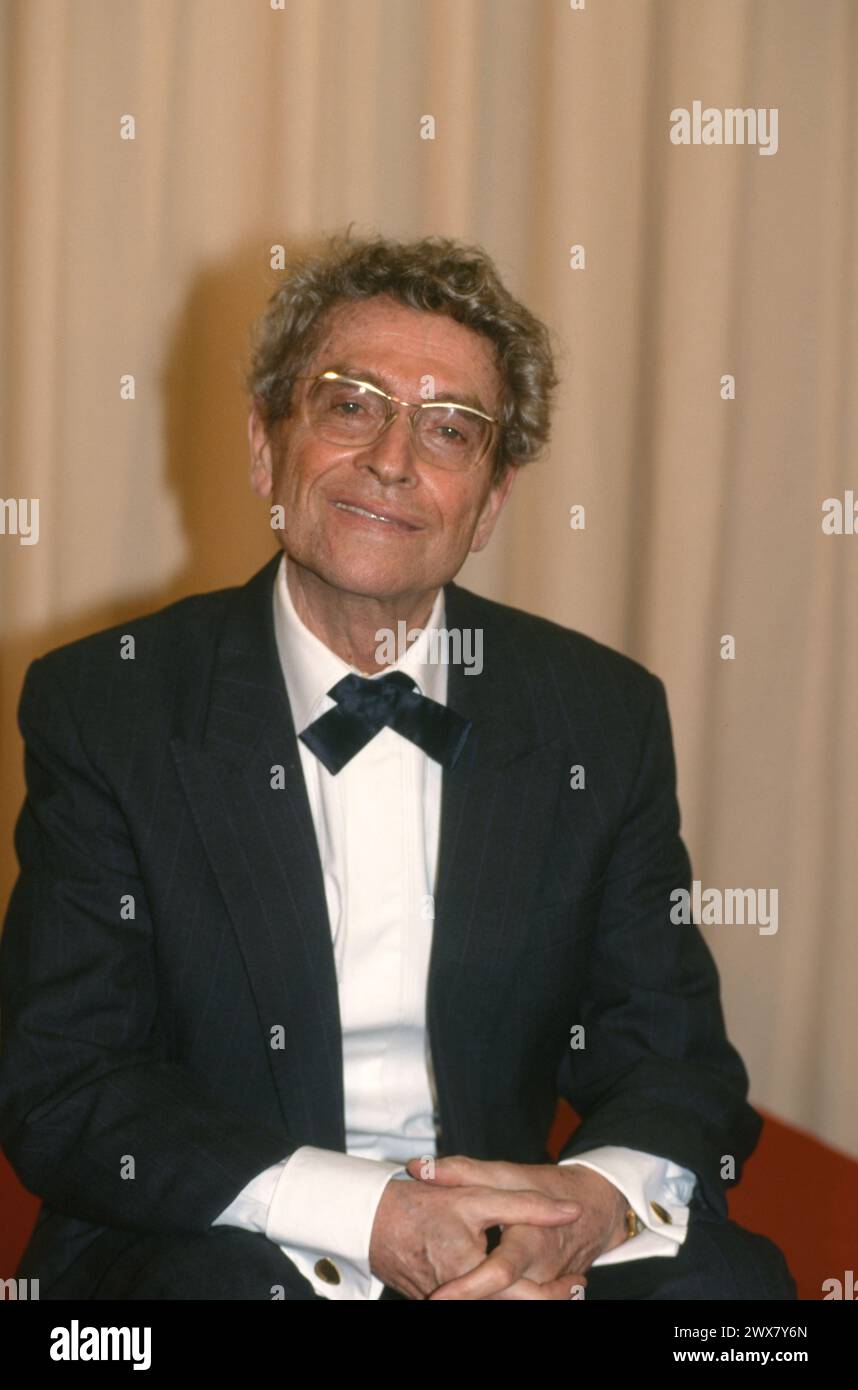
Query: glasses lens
column 454, row 438
column 345, row 413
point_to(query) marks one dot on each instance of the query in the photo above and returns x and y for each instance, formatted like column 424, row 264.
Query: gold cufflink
column 662, row 1214
column 634, row 1225
column 327, row 1271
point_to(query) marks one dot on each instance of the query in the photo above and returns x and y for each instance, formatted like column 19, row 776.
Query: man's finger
column 569, row 1286
column 497, row 1206
column 456, row 1170
column 498, row 1271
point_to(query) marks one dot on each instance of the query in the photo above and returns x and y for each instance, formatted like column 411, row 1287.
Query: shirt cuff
column 323, row 1207
column 250, row 1207
column 656, row 1188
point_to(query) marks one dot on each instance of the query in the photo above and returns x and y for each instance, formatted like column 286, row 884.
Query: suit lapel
column 261, row 846
column 497, row 806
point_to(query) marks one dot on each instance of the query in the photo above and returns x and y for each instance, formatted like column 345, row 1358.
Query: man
column 307, row 940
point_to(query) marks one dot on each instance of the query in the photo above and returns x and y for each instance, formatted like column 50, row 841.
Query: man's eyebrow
column 441, row 394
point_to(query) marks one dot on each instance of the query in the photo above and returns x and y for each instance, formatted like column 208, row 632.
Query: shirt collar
column 310, row 668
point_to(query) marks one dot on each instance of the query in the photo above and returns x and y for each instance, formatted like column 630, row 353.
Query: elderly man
column 307, row 941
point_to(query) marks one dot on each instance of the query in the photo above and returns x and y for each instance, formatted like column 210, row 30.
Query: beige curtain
column 257, row 126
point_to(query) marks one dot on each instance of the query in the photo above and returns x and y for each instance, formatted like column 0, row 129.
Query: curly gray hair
column 436, row 274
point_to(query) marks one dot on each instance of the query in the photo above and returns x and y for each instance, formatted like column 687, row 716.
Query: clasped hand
column 429, row 1236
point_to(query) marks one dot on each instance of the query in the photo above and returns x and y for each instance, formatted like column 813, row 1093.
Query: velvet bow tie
column 365, row 706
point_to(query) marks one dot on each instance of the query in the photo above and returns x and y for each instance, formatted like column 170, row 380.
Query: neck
column 348, row 623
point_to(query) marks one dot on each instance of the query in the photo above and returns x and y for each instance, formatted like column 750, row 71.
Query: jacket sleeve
column 657, row 1072
column 95, row 1117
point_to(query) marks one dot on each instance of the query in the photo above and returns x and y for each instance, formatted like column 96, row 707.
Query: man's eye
column 345, row 407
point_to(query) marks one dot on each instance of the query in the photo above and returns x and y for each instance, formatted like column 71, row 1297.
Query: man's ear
column 261, row 454
column 492, row 508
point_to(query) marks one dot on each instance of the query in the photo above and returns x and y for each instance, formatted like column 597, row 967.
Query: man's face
column 442, row 514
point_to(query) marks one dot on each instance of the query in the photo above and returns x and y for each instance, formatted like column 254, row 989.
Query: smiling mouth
column 375, row 516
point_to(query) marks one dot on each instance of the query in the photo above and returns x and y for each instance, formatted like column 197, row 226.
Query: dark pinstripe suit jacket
column 141, row 1035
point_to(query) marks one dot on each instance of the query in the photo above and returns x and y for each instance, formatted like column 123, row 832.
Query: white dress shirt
column 377, row 824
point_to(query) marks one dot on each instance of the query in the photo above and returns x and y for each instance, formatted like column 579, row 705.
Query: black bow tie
column 365, row 706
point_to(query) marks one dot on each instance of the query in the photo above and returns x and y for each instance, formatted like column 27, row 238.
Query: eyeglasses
column 342, row 410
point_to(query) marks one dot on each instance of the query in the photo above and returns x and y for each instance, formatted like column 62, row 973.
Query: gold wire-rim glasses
column 415, row 408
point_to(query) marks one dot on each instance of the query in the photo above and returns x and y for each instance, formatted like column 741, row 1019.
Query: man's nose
column 392, row 457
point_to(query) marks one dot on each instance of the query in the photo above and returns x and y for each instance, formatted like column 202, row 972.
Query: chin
column 380, row 586
column 361, row 570
column 358, row 578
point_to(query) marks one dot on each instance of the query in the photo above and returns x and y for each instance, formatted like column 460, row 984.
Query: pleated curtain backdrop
column 258, row 125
